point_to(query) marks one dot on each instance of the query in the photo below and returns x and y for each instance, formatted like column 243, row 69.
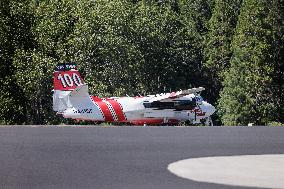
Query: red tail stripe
column 118, row 110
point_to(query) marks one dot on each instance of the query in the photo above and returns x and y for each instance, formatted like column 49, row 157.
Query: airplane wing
column 186, row 92
column 170, row 96
column 173, row 100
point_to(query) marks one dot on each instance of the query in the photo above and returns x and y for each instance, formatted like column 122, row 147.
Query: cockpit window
column 177, row 105
column 198, row 99
column 185, row 105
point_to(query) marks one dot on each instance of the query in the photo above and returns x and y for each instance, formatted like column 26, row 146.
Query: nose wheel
column 209, row 121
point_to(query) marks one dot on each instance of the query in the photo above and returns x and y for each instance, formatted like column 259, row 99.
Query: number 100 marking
column 67, row 80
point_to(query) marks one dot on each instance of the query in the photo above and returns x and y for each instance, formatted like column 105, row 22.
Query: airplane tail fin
column 67, row 82
column 66, row 77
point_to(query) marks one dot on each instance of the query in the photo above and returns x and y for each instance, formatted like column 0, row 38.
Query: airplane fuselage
column 136, row 110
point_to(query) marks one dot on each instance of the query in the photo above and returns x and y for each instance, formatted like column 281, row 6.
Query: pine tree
column 218, row 43
column 247, row 96
column 276, row 20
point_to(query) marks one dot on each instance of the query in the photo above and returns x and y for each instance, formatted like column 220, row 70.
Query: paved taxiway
column 121, row 157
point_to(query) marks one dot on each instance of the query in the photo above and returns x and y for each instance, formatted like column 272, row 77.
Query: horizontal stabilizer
column 80, row 91
column 61, row 100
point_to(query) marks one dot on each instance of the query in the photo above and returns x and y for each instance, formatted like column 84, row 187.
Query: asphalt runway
column 53, row 157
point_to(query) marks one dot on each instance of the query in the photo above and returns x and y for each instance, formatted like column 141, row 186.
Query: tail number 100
column 67, row 80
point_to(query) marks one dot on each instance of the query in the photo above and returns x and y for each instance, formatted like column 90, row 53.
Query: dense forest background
column 233, row 48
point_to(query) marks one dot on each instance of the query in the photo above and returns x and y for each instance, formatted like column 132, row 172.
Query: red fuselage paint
column 104, row 106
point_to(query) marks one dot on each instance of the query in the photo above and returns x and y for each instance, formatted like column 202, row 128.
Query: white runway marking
column 265, row 171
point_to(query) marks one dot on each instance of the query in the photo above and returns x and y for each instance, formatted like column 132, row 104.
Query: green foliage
column 218, row 43
column 143, row 46
column 33, row 71
column 16, row 19
column 104, row 47
column 248, row 94
column 274, row 123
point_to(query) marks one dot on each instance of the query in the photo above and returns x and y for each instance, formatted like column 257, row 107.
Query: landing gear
column 209, row 122
column 165, row 122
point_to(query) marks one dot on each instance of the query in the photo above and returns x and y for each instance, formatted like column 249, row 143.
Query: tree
column 156, row 33
column 248, row 93
column 103, row 46
column 218, row 53
column 131, row 46
column 52, row 27
column 276, row 20
column 195, row 17
column 16, row 19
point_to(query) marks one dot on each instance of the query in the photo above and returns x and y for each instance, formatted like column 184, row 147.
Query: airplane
column 72, row 100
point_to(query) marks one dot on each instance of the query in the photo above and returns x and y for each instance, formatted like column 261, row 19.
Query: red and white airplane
column 72, row 99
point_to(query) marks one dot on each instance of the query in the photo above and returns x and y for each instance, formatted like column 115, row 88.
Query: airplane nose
column 212, row 109
column 209, row 109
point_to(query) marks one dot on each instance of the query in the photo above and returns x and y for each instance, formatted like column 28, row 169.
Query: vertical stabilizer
column 66, row 78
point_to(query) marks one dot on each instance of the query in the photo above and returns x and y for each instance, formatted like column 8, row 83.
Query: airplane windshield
column 198, row 98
